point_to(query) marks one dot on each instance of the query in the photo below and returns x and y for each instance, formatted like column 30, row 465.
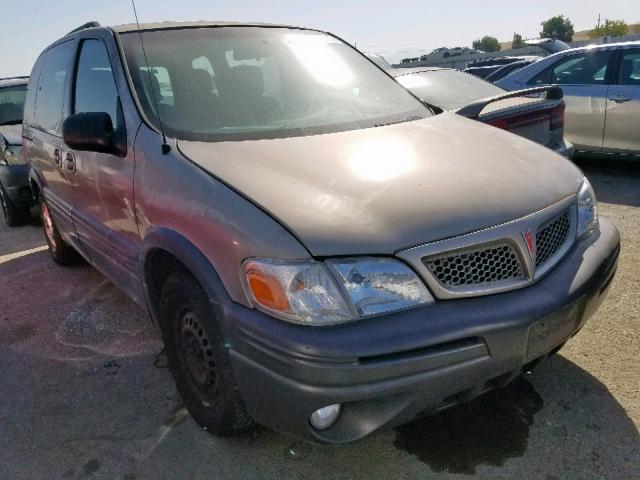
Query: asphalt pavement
column 85, row 392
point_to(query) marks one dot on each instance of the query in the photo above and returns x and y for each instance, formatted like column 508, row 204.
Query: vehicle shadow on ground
column 25, row 237
column 614, row 181
column 81, row 362
column 526, row 430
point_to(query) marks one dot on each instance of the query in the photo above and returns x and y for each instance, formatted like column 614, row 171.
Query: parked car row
column 484, row 68
column 538, row 119
column 441, row 53
column 495, row 68
column 323, row 253
column 601, row 86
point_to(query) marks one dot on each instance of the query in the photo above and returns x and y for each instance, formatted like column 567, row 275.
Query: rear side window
column 588, row 68
column 50, row 99
column 32, row 89
column 95, row 88
column 630, row 67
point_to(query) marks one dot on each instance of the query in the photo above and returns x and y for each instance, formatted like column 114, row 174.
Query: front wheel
column 198, row 358
column 61, row 252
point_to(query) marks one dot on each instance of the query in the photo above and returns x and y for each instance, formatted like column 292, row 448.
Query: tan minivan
column 322, row 254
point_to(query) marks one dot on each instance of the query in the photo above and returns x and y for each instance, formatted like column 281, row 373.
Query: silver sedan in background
column 601, row 86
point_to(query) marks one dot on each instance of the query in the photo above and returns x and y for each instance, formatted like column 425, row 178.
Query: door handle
column 70, row 163
column 57, row 157
column 620, row 98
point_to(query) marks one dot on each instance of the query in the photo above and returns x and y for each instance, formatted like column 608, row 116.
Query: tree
column 487, row 44
column 557, row 27
column 517, row 41
column 610, row 28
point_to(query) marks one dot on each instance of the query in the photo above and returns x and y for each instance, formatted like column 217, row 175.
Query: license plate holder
column 548, row 333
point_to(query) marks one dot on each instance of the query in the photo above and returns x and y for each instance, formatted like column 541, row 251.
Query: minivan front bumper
column 389, row 369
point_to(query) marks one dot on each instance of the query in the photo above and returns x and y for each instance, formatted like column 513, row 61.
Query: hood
column 12, row 134
column 380, row 190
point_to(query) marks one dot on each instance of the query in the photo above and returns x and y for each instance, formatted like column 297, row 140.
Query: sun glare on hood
column 382, row 159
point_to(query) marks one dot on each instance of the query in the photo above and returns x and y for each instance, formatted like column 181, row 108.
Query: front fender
column 172, row 242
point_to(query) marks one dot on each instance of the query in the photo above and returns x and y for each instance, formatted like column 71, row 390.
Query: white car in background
column 601, row 86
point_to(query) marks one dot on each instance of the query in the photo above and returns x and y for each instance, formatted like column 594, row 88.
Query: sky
column 395, row 28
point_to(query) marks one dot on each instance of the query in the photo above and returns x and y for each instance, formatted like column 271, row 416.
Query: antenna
column 166, row 148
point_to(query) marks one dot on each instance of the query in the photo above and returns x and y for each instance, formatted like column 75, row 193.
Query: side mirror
column 92, row 132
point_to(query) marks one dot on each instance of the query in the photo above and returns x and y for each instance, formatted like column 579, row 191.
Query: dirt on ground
column 85, row 392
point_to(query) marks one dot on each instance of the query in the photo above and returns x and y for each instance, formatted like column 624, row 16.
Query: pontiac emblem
column 531, row 246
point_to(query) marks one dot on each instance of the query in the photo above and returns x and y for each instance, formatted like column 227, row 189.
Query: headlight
column 11, row 154
column 587, row 209
column 316, row 293
column 379, row 285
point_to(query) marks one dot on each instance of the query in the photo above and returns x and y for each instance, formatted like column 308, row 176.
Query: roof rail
column 83, row 26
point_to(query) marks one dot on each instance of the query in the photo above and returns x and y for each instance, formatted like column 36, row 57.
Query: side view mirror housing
column 93, row 132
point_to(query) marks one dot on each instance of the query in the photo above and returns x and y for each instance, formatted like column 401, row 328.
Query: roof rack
column 83, row 26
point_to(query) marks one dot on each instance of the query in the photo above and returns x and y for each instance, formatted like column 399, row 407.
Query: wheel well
column 159, row 264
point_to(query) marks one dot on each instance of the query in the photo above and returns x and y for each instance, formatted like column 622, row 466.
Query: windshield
column 448, row 89
column 235, row 83
column 12, row 104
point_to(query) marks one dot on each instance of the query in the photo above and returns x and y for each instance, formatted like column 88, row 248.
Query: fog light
column 325, row 417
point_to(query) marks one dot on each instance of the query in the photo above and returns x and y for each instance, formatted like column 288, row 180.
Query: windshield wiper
column 408, row 119
column 11, row 122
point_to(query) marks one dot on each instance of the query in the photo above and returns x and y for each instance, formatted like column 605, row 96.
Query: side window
column 589, row 68
column 542, row 78
column 630, row 67
column 583, row 69
column 51, row 89
column 95, row 88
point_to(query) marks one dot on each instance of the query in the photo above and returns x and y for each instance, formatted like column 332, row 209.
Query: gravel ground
column 85, row 393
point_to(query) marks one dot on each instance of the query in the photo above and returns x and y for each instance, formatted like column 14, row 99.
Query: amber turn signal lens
column 267, row 290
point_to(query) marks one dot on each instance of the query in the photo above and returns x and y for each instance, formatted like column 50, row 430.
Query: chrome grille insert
column 497, row 259
column 551, row 237
column 483, row 266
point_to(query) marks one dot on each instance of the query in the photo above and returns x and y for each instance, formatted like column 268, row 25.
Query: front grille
column 551, row 237
column 479, row 267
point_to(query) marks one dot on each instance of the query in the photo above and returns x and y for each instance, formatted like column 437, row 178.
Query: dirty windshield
column 228, row 83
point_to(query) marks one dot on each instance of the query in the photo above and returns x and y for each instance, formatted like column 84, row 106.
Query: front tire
column 61, row 252
column 198, row 358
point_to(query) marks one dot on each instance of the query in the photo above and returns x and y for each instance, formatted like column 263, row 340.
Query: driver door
column 101, row 184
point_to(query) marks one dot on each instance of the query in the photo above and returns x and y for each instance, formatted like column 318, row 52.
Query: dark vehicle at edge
column 15, row 195
column 505, row 70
